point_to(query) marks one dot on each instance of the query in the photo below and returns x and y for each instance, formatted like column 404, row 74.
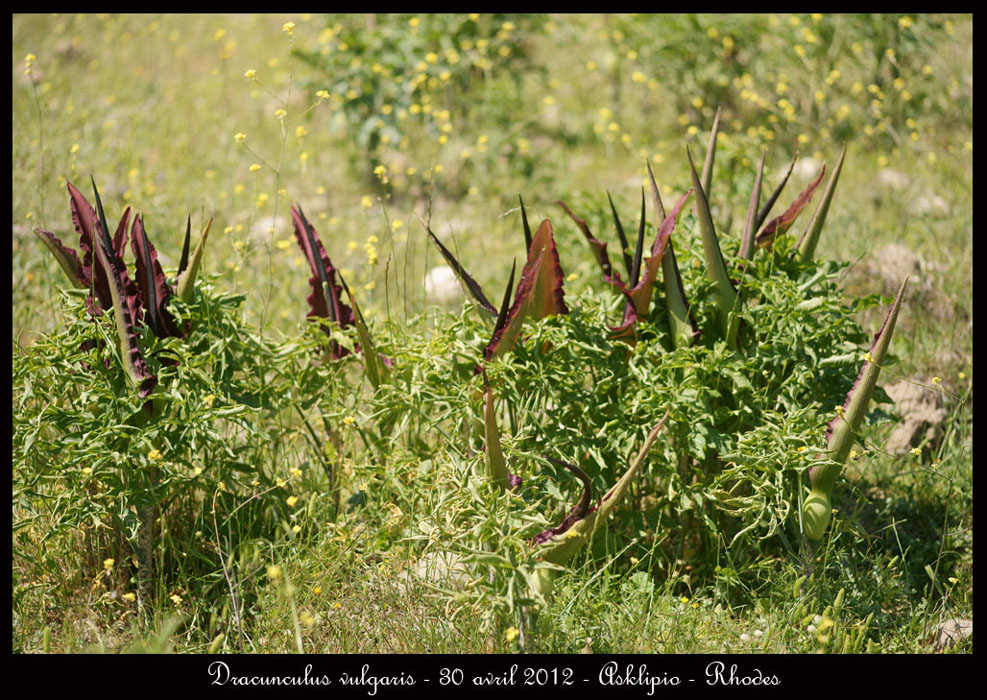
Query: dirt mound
column 922, row 416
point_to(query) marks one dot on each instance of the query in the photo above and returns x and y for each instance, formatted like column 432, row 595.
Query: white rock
column 894, row 179
column 953, row 631
column 930, row 205
column 806, row 168
column 261, row 230
column 441, row 285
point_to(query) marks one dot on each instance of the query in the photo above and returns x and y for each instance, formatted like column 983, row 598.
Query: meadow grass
column 152, row 106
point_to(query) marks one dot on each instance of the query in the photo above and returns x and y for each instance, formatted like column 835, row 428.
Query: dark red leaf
column 610, row 276
column 154, row 290
column 781, row 224
column 578, row 512
column 323, row 279
column 539, row 293
column 469, row 284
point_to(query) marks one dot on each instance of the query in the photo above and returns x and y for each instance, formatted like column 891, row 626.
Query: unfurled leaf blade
column 84, row 218
column 769, row 204
column 639, row 298
column 560, row 549
column 628, row 261
column 807, row 244
column 539, row 292
column 183, row 263
column 610, row 276
column 469, row 285
column 151, row 283
column 66, row 257
column 496, row 464
column 781, row 224
column 716, row 269
column 747, row 242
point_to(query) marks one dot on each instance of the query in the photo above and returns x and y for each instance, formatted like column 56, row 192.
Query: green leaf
column 844, row 429
column 807, row 244
column 186, row 280
column 558, row 550
column 716, row 269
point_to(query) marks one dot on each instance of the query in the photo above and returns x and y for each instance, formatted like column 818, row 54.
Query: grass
column 150, row 105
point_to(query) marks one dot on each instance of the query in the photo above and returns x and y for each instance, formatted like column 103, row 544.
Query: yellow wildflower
column 108, row 564
column 288, row 27
column 274, row 572
column 291, row 501
column 239, row 137
column 129, row 597
column 511, row 634
column 250, row 74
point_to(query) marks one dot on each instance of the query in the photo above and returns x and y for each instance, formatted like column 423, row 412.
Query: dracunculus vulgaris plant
column 729, row 329
column 326, row 302
column 843, row 430
column 135, row 303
